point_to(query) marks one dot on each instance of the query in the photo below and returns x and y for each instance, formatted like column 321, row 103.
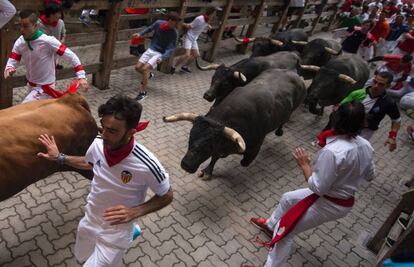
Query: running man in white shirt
column 194, row 29
column 341, row 166
column 7, row 11
column 38, row 52
column 123, row 171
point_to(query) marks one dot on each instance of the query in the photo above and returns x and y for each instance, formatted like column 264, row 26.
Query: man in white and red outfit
column 405, row 45
column 38, row 52
column 342, row 164
column 123, row 171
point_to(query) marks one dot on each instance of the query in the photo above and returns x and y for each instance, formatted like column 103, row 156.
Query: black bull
column 226, row 79
column 334, row 81
column 241, row 121
column 280, row 41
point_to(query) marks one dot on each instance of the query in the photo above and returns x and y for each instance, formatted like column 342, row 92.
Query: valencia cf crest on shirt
column 126, row 176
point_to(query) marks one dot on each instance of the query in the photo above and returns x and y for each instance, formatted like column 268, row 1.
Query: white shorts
column 190, row 43
column 100, row 244
column 35, row 93
column 150, row 57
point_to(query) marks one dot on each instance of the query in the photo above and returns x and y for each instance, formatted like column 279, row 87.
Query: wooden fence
column 116, row 29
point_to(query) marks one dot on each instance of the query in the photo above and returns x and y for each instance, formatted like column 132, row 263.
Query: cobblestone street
column 208, row 222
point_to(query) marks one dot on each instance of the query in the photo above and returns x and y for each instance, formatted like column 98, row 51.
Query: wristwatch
column 61, row 159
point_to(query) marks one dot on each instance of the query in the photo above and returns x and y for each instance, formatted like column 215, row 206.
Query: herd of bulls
column 257, row 95
column 253, row 97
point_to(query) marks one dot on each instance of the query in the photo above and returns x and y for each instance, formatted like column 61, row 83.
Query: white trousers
column 35, row 93
column 407, row 101
column 99, row 244
column 320, row 212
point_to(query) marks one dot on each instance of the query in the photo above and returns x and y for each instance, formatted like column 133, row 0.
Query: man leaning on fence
column 163, row 43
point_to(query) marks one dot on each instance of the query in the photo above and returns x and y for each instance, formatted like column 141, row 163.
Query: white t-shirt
column 7, row 11
column 58, row 32
column 125, row 183
column 197, row 27
column 40, row 62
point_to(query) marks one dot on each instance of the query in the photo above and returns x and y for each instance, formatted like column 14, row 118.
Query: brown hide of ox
column 68, row 119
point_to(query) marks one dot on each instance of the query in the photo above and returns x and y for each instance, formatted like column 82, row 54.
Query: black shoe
column 172, row 70
column 141, row 96
column 185, row 69
column 151, row 75
column 403, row 222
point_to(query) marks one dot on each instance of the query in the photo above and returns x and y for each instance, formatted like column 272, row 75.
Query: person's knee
column 138, row 68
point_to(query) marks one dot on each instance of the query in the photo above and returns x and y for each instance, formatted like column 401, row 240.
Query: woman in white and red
column 38, row 53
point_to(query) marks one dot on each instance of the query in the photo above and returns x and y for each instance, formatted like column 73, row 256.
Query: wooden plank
column 134, row 16
column 101, row 78
column 39, row 4
column 275, row 3
column 66, row 73
column 157, row 4
column 6, row 89
column 219, row 32
column 238, row 22
column 269, row 20
column 81, row 39
column 198, row 3
column 309, row 16
column 258, row 10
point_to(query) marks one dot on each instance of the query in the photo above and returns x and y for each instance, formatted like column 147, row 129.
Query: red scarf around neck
column 113, row 157
column 45, row 21
column 164, row 26
column 323, row 136
column 206, row 18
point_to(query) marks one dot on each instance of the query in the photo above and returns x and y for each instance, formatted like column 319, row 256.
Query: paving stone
column 59, row 256
column 184, row 244
column 37, row 258
column 200, row 254
column 151, row 252
column 184, row 257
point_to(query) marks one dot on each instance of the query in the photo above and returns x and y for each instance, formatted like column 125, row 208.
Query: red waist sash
column 53, row 92
column 293, row 215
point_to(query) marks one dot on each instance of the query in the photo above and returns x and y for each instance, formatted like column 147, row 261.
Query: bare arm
column 302, row 158
column 121, row 214
column 52, row 154
column 409, row 36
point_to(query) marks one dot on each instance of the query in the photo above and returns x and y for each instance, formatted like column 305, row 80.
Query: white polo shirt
column 125, row 183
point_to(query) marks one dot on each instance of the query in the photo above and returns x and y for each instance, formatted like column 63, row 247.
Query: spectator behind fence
column 194, row 29
column 397, row 28
column 359, row 39
column 7, row 11
column 51, row 24
column 163, row 43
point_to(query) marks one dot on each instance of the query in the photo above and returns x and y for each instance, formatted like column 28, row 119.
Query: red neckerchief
column 46, row 21
column 164, row 26
column 206, row 18
column 113, row 157
column 323, row 136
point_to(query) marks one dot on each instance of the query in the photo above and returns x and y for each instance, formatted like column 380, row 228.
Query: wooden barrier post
column 276, row 25
column 316, row 20
column 219, row 32
column 258, row 10
column 6, row 89
column 101, row 78
column 332, row 18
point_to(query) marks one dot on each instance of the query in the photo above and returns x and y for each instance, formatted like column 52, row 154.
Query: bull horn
column 239, row 75
column 299, row 42
column 310, row 67
column 243, row 40
column 276, row 42
column 346, row 78
column 213, row 66
column 235, row 137
column 185, row 116
column 332, row 51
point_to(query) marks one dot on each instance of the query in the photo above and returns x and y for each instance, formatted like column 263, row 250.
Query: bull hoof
column 279, row 132
column 204, row 176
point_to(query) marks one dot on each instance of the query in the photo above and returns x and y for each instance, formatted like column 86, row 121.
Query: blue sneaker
column 137, row 231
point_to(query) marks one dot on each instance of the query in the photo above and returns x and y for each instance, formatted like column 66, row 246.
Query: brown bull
column 68, row 119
